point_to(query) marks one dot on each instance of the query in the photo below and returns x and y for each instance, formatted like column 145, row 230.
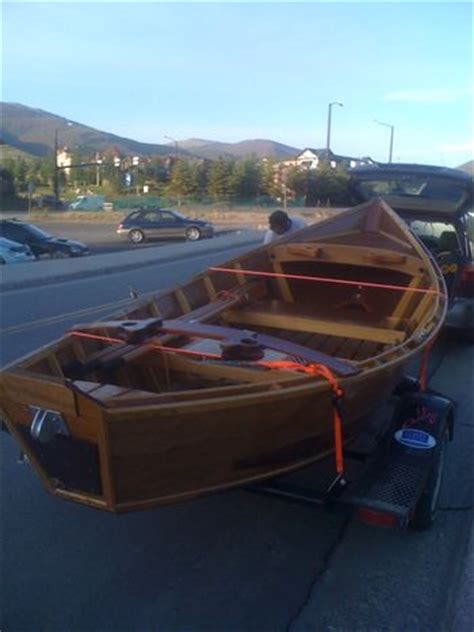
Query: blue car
column 160, row 223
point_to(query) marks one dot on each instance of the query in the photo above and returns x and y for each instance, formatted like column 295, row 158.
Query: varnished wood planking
column 158, row 444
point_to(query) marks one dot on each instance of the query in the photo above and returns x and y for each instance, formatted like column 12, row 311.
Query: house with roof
column 311, row 158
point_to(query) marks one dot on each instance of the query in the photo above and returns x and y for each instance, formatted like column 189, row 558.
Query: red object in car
column 466, row 281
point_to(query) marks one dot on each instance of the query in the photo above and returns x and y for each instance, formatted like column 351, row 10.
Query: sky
column 232, row 71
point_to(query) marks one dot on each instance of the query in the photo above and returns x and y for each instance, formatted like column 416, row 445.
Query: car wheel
column 60, row 254
column 2, row 261
column 136, row 236
column 193, row 233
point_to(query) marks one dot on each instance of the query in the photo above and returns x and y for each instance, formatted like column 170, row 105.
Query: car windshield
column 415, row 191
column 178, row 214
column 36, row 232
column 436, row 235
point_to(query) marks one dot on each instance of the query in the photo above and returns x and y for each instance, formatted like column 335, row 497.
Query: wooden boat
column 231, row 377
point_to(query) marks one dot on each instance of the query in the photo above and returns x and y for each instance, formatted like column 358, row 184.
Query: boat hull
column 229, row 378
column 136, row 458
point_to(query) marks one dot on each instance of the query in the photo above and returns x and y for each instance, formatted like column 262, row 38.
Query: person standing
column 281, row 224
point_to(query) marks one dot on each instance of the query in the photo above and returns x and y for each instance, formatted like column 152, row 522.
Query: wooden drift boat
column 231, row 377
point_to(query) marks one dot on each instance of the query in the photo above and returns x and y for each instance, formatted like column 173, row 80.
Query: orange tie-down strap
column 322, row 371
column 312, row 369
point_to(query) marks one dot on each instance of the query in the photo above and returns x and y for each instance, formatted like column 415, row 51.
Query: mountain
column 468, row 167
column 258, row 147
column 33, row 131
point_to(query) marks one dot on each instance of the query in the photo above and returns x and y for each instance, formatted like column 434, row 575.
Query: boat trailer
column 392, row 480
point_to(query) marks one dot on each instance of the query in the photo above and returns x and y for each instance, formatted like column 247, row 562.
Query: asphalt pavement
column 47, row 271
column 233, row 562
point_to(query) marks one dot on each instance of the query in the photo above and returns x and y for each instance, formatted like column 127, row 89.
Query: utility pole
column 392, row 128
column 56, row 171
column 328, row 138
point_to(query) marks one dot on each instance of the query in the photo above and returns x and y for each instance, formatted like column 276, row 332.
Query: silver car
column 13, row 252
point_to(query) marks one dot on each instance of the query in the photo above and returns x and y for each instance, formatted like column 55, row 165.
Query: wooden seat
column 280, row 315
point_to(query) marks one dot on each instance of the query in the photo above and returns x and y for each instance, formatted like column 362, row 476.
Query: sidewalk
column 46, row 271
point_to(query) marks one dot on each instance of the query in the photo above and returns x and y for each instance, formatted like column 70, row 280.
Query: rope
column 303, row 277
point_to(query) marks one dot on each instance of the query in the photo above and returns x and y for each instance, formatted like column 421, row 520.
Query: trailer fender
column 428, row 412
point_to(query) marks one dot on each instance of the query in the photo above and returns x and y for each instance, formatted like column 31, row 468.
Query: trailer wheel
column 427, row 507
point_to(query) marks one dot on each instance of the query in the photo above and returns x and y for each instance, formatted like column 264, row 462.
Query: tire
column 193, row 233
column 136, row 236
column 427, row 507
column 2, row 261
column 60, row 254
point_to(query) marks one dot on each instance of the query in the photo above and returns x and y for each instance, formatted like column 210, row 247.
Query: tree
column 327, row 186
column 219, row 180
column 297, row 181
column 20, row 174
column 181, row 182
column 7, row 185
column 199, row 175
column 245, row 180
column 112, row 177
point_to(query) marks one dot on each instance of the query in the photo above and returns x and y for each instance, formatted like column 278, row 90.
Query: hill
column 12, row 153
column 33, row 131
column 258, row 147
column 468, row 167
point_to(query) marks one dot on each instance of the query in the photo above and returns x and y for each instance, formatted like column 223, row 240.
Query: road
column 101, row 237
column 230, row 562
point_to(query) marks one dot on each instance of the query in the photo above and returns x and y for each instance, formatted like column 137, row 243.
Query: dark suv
column 437, row 203
column 41, row 242
column 162, row 223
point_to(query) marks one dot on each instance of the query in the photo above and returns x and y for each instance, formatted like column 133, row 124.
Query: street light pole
column 392, row 127
column 328, row 139
column 56, row 171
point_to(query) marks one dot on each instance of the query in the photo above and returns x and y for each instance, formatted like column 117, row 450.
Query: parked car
column 41, row 242
column 13, row 252
column 50, row 202
column 88, row 203
column 437, row 203
column 158, row 223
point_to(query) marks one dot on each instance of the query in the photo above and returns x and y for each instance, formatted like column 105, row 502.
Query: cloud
column 427, row 96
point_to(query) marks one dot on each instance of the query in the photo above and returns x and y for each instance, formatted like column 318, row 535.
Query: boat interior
column 346, row 321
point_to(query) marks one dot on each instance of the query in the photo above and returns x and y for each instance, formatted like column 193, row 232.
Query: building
column 64, row 160
column 311, row 158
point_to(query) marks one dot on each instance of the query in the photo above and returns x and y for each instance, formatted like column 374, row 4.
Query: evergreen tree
column 327, row 186
column 297, row 181
column 245, row 181
column 7, row 184
column 181, row 182
column 219, row 180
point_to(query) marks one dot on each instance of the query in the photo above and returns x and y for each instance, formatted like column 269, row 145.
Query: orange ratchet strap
column 311, row 369
column 322, row 371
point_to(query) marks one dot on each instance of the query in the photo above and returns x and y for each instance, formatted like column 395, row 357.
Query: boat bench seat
column 281, row 315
